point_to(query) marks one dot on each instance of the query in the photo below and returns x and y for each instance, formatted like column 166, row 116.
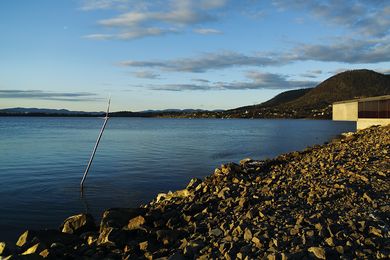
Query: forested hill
column 316, row 102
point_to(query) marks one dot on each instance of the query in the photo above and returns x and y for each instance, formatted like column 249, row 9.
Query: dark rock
column 119, row 217
column 4, row 250
column 47, row 237
column 193, row 184
column 35, row 249
column 78, row 224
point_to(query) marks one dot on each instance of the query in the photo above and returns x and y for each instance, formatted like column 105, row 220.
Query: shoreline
column 325, row 201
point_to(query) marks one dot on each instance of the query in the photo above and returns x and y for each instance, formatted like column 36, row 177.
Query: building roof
column 385, row 97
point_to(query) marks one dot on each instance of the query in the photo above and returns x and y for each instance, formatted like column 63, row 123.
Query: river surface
column 42, row 160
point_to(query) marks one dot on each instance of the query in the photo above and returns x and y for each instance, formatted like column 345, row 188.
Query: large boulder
column 119, row 217
column 115, row 237
column 78, row 224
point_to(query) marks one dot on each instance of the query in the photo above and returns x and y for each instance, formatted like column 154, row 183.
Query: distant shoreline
column 211, row 115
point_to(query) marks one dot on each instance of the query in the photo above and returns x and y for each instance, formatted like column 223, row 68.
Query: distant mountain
column 286, row 97
column 343, row 86
column 316, row 102
column 279, row 99
column 45, row 111
column 172, row 110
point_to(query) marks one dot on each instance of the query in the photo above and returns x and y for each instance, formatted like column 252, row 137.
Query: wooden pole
column 96, row 146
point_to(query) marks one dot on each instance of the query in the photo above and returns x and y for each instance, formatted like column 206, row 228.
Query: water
column 42, row 160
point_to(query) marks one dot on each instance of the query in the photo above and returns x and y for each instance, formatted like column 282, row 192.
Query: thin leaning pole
column 96, row 145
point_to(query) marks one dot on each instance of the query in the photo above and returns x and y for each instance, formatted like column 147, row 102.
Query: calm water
column 42, row 160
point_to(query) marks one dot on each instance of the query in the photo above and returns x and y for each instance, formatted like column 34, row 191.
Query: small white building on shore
column 365, row 111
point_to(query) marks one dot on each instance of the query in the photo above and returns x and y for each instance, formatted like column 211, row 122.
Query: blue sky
column 208, row 54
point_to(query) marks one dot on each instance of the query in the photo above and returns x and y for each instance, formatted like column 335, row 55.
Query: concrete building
column 365, row 111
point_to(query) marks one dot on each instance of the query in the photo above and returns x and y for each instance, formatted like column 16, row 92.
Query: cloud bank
column 256, row 80
column 47, row 95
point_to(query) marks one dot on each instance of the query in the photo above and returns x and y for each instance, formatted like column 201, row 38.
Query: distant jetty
column 326, row 202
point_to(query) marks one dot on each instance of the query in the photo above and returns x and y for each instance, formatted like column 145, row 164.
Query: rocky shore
column 326, row 202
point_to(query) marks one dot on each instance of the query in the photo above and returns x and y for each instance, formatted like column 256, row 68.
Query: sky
column 200, row 54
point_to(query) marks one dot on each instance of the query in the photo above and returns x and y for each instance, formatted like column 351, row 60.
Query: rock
column 173, row 195
column 375, row 231
column 243, row 202
column 329, row 241
column 119, row 217
column 193, row 184
column 257, row 242
column 24, row 238
column 78, row 224
column 245, row 161
column 367, row 197
column 136, row 222
column 143, row 246
column 4, row 249
column 34, row 249
column 112, row 237
column 167, row 236
column 47, row 237
column 45, row 253
column 319, row 252
column 230, row 168
column 247, row 234
column 216, row 232
column 177, row 256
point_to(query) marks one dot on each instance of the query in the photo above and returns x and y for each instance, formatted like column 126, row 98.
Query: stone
column 45, row 253
column 112, row 237
column 119, row 217
column 4, row 249
column 34, row 249
column 329, row 241
column 216, row 232
column 247, row 234
column 319, row 252
column 78, row 224
column 177, row 256
column 245, row 161
column 143, row 246
column 375, row 231
column 193, row 184
column 243, row 202
column 47, row 237
column 340, row 249
column 167, row 236
column 136, row 222
column 257, row 242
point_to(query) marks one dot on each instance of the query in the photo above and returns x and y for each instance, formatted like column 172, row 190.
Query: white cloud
column 48, row 95
column 210, row 61
column 148, row 15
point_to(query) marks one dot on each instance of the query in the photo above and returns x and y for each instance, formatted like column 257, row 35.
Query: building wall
column 367, row 122
column 345, row 111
